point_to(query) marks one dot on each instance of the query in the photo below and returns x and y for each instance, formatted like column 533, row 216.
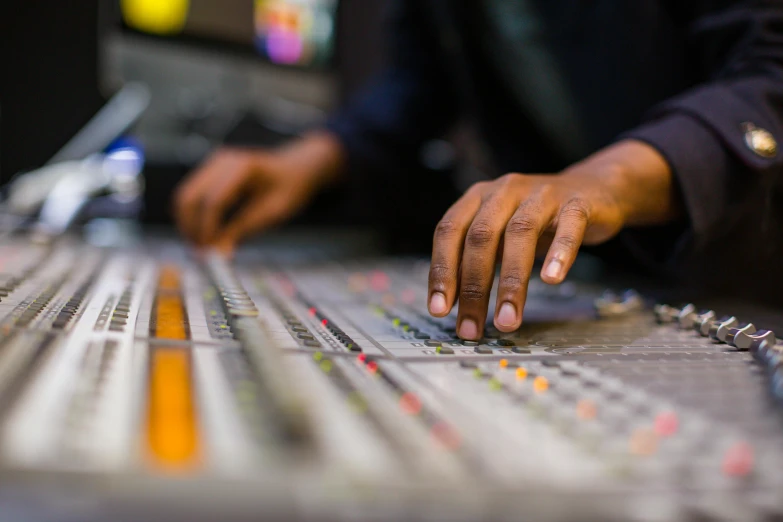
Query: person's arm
column 689, row 156
column 723, row 134
column 409, row 103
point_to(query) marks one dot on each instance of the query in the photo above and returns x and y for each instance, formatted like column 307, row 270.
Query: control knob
column 719, row 329
column 740, row 337
column 687, row 316
column 610, row 304
column 703, row 322
column 757, row 342
column 665, row 313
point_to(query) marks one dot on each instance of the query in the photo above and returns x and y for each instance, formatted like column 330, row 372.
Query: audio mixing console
column 146, row 383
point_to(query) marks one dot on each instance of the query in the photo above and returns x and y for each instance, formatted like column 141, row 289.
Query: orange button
column 540, row 384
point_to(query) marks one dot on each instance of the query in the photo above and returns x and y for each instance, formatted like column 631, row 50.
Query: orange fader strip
column 172, row 431
column 170, row 310
column 169, row 278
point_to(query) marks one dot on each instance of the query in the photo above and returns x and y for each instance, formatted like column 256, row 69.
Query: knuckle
column 217, row 200
column 576, row 208
column 183, row 198
column 511, row 283
column 508, row 180
column 522, row 225
column 566, row 242
column 477, row 189
column 472, row 292
column 441, row 273
column 446, row 229
column 211, row 202
column 541, row 191
column 480, row 234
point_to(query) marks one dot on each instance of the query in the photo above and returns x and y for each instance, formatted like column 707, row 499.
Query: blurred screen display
column 288, row 32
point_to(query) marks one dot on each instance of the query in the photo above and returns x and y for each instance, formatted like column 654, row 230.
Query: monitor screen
column 297, row 33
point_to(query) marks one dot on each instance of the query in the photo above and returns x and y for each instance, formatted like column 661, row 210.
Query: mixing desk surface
column 143, row 384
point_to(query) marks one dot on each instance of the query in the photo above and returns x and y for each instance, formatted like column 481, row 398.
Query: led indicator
column 738, row 460
column 410, row 404
column 445, row 436
column 666, row 424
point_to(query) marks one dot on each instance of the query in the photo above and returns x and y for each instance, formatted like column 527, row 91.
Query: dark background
column 51, row 58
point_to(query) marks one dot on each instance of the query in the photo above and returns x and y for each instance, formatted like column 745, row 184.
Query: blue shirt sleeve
column 409, row 103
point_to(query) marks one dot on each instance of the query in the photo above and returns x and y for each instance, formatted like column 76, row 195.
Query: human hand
column 271, row 185
column 513, row 217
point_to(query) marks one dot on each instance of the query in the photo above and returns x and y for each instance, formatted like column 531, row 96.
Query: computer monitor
column 292, row 33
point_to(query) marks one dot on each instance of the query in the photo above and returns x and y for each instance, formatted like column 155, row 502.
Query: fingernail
column 438, row 303
column 553, row 269
column 468, row 329
column 507, row 315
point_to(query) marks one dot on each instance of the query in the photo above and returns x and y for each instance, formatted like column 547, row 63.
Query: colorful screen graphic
column 295, row 32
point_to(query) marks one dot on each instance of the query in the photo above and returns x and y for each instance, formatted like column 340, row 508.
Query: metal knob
column 687, row 316
column 740, row 337
column 610, row 304
column 665, row 314
column 720, row 328
column 703, row 322
column 760, row 341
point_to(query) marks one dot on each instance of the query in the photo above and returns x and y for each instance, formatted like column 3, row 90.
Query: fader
column 147, row 382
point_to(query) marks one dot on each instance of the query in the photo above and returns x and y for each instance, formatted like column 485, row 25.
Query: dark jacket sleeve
column 703, row 133
column 409, row 103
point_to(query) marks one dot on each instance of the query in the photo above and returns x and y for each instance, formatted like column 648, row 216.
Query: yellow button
column 760, row 141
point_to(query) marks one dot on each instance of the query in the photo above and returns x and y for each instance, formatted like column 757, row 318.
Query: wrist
column 639, row 180
column 317, row 156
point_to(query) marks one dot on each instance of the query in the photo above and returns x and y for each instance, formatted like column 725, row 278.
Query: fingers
column 187, row 202
column 521, row 236
column 258, row 214
column 217, row 200
column 571, row 225
column 190, row 196
column 477, row 270
column 447, row 252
